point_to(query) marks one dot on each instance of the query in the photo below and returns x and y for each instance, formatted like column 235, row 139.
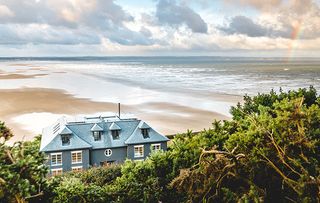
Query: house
column 95, row 141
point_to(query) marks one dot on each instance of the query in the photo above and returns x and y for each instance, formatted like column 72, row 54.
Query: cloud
column 44, row 34
column 169, row 13
column 69, row 13
column 258, row 4
column 278, row 18
column 67, row 21
column 290, row 22
column 246, row 26
column 5, row 11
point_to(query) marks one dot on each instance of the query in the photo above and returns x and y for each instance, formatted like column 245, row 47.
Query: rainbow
column 295, row 35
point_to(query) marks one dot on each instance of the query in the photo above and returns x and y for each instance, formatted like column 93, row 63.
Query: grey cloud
column 146, row 32
column 292, row 17
column 125, row 36
column 246, row 26
column 169, row 13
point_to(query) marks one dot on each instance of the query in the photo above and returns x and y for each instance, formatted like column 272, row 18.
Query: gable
column 96, row 127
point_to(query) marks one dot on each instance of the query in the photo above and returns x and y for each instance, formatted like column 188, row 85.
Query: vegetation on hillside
column 268, row 152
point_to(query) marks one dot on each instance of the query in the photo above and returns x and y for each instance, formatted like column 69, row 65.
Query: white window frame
column 76, row 167
column 55, row 154
column 100, row 136
column 108, row 154
column 156, row 145
column 76, row 152
column 56, row 169
column 134, row 151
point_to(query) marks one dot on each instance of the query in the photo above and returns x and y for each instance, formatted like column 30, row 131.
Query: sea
column 199, row 82
column 235, row 76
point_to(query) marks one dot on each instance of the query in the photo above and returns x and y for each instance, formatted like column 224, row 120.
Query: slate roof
column 81, row 134
column 137, row 137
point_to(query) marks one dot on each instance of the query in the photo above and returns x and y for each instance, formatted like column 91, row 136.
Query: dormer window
column 115, row 131
column 115, row 134
column 96, row 132
column 145, row 133
column 96, row 135
column 65, row 139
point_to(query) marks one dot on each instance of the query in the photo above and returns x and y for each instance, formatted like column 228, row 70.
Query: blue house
column 95, row 141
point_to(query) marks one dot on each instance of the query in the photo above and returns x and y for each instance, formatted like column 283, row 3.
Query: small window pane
column 56, row 172
column 156, row 147
column 56, row 159
column 97, row 135
column 145, row 133
column 77, row 169
column 138, row 151
column 76, row 157
column 65, row 139
column 115, row 134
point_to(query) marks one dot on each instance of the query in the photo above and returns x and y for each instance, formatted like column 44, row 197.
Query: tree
column 22, row 169
column 273, row 155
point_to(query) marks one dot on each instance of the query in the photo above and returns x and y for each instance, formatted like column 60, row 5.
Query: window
column 76, row 168
column 96, row 135
column 145, row 132
column 76, row 157
column 56, row 171
column 115, row 134
column 108, row 152
column 65, row 139
column 138, row 151
column 155, row 147
column 56, row 159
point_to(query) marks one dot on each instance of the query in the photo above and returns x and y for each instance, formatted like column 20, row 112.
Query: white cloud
column 5, row 11
column 103, row 27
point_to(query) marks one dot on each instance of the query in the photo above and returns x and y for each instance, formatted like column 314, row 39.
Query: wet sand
column 14, row 76
column 168, row 118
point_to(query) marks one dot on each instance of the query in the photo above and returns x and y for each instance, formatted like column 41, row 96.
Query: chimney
column 119, row 110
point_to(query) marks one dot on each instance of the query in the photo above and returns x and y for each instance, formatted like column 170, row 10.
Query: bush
column 22, row 172
column 273, row 155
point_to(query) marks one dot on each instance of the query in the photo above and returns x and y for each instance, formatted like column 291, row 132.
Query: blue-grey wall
column 66, row 160
column 147, row 150
column 97, row 156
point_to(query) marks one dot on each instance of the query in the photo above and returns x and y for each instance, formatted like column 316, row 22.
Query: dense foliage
column 268, row 152
column 22, row 172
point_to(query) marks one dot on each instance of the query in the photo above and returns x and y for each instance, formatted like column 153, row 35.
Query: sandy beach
column 171, row 95
column 168, row 118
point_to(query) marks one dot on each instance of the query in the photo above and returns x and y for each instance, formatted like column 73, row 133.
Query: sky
column 255, row 28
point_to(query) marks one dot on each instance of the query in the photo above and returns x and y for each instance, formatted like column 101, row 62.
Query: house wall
column 66, row 160
column 147, row 150
column 118, row 155
column 96, row 156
